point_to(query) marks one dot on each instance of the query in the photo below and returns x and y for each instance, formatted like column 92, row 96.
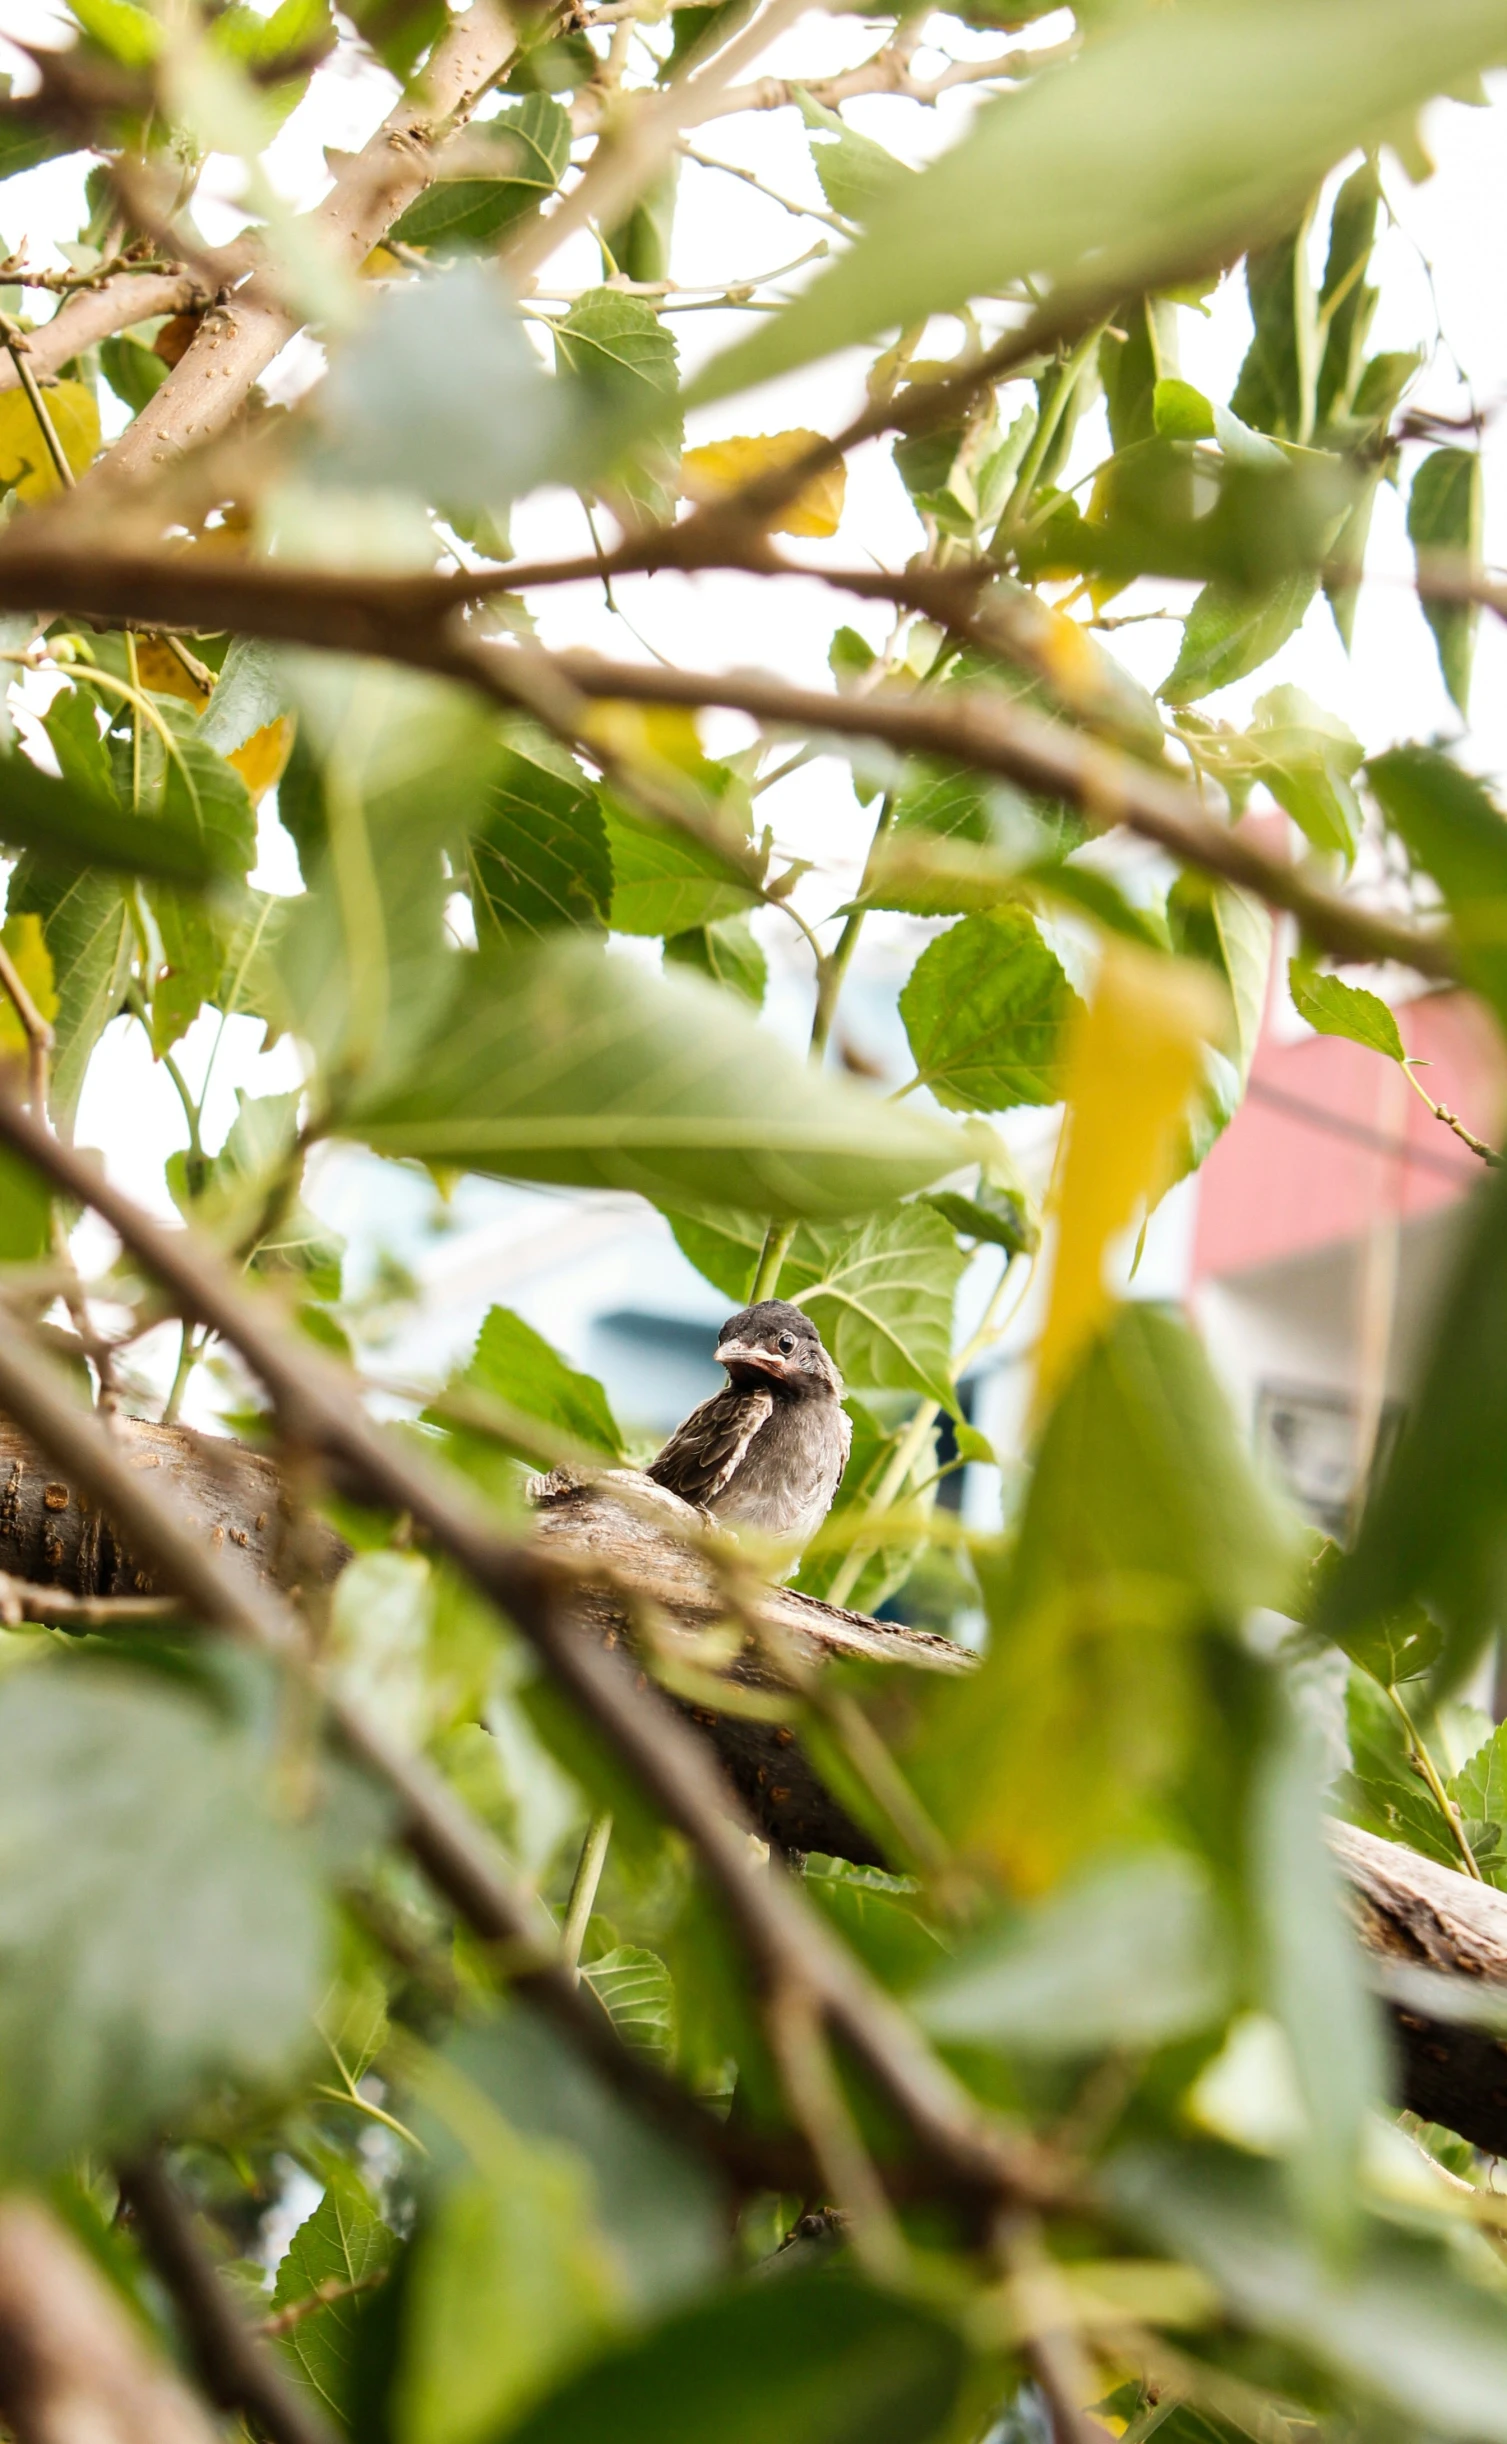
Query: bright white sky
column 1442, row 280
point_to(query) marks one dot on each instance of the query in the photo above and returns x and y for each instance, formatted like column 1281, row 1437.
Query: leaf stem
column 1451, row 1120
column 18, row 349
column 1431, row 1776
column 583, row 1889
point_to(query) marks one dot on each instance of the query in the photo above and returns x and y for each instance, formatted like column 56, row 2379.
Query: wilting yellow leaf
column 32, row 961
column 1136, row 1058
column 24, row 459
column 263, row 759
column 383, row 264
column 720, row 467
column 645, row 733
column 159, row 669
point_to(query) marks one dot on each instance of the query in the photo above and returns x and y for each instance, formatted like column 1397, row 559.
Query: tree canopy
column 419, row 2022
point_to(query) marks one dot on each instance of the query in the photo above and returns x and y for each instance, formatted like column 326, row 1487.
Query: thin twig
column 324, row 2295
column 38, row 1034
column 18, row 348
column 56, row 1608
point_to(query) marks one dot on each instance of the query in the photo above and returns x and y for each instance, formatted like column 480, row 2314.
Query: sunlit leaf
column 517, row 1365
column 343, row 2248
column 1333, row 1007
column 987, row 1011
column 25, row 458
column 708, row 474
column 1135, row 1063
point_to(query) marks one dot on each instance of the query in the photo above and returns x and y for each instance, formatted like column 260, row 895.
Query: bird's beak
column 747, row 1355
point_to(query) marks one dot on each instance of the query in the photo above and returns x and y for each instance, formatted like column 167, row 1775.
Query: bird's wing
column 845, row 1446
column 703, row 1455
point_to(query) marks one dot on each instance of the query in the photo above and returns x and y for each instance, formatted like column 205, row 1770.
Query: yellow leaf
column 159, row 669
column 645, row 733
column 32, row 961
column 24, row 459
column 1136, row 1059
column 710, row 473
column 263, row 758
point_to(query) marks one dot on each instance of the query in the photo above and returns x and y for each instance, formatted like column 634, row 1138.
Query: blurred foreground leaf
column 564, row 1064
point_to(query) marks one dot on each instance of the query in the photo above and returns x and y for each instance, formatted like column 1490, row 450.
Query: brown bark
column 640, row 1541
column 73, row 2368
column 51, row 1535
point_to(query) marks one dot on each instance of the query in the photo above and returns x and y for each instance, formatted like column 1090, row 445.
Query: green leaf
column 492, row 428
column 1435, row 1529
column 1312, row 1975
column 250, row 692
column 532, row 141
column 1382, row 1792
column 87, row 925
column 987, row 1009
column 229, row 1194
column 1333, row 1007
column 1275, row 391
column 1445, row 512
column 1346, row 304
column 1188, row 133
column 128, row 33
column 1479, row 1790
column 1308, row 760
column 344, row 2242
column 76, row 824
column 1452, row 827
column 1002, row 1217
column 25, row 1212
column 1134, row 1955
column 1181, row 413
column 134, row 372
column 635, row 1990
column 727, row 953
column 658, row 2214
column 1144, row 1525
column 515, row 1364
column 1398, row 2322
column 399, row 31
column 160, row 1929
column 539, row 858
column 880, row 1296
column 853, row 170
column 1230, row 632
column 814, row 2359
column 665, row 881
column 882, row 1299
column 509, row 2287
column 640, row 246
column 1137, row 360
column 620, row 382
column 565, row 1064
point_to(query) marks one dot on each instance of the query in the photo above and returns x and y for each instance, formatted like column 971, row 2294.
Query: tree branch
column 235, row 2367
column 243, row 333
column 72, row 2363
column 402, row 620
column 91, row 315
column 789, row 1944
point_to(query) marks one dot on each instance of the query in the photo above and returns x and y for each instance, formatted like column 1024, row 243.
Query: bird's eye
column 787, row 1343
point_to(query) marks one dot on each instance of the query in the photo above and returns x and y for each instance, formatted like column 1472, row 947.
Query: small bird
column 769, row 1450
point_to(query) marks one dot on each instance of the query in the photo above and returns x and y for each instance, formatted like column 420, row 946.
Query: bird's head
column 775, row 1344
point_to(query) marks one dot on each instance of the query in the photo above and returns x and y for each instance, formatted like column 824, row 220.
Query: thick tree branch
column 241, row 335
column 74, row 2369
column 91, row 315
column 402, row 620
